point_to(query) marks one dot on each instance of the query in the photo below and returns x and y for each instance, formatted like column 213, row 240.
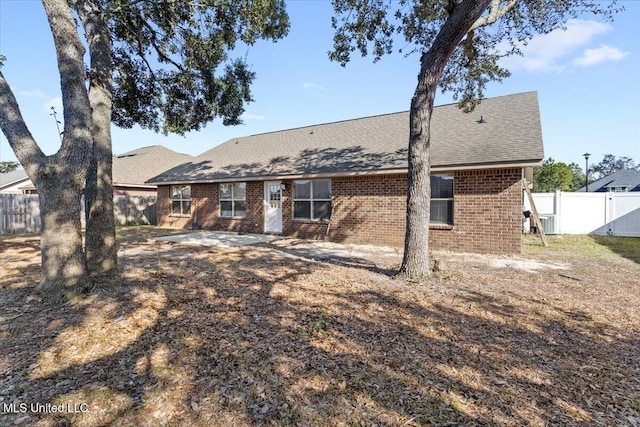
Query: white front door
column 272, row 207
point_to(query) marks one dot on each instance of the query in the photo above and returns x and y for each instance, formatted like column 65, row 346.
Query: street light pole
column 586, row 170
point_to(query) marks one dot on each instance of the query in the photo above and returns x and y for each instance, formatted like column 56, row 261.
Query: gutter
column 394, row 171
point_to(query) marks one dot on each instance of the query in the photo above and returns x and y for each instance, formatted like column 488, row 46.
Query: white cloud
column 249, row 116
column 599, row 55
column 36, row 93
column 307, row 85
column 545, row 52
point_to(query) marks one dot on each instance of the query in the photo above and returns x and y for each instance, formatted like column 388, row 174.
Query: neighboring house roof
column 130, row 169
column 627, row 178
column 135, row 167
column 510, row 133
column 13, row 179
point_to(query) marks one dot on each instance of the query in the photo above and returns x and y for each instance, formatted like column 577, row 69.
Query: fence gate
column 624, row 214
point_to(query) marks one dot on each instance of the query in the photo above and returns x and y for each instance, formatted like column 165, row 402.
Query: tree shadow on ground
column 194, row 336
column 626, row 247
column 305, row 251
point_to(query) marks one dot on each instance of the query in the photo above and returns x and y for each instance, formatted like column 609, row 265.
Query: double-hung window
column 233, row 199
column 312, row 199
column 442, row 199
column 181, row 200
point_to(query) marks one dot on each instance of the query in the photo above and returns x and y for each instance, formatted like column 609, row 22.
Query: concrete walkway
column 221, row 239
column 372, row 258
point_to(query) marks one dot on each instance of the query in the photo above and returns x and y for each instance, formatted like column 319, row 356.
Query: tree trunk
column 63, row 261
column 59, row 178
column 415, row 261
column 100, row 236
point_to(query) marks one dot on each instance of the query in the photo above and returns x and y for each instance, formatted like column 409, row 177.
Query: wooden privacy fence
column 20, row 213
column 135, row 210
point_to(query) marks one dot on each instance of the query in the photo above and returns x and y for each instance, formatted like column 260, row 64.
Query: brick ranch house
column 347, row 181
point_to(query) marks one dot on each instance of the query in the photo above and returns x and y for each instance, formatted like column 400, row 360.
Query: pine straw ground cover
column 257, row 336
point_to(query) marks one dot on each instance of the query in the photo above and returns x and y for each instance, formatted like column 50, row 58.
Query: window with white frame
column 312, row 199
column 181, row 200
column 233, row 199
column 442, row 199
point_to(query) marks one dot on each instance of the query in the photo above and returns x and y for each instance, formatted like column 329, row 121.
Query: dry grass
column 255, row 336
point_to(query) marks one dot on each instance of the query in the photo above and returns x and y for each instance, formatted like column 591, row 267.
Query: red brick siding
column 205, row 209
column 487, row 213
column 369, row 209
column 372, row 210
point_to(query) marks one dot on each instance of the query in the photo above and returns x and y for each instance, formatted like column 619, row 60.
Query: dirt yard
column 297, row 334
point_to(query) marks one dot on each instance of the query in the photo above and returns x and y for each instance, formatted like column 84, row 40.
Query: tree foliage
column 611, row 164
column 460, row 44
column 578, row 176
column 552, row 176
column 8, row 166
column 376, row 27
column 173, row 67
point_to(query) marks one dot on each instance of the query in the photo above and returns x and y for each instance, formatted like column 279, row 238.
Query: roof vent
column 482, row 120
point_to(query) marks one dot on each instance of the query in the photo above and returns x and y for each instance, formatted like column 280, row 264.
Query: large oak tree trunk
column 63, row 260
column 60, row 178
column 415, row 262
column 100, row 237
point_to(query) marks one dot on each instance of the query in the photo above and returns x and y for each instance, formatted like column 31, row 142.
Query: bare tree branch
column 15, row 129
column 495, row 12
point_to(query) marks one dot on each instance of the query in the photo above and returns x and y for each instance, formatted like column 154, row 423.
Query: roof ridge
column 320, row 124
column 369, row 117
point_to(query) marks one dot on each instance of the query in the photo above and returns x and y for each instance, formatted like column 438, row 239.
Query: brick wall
column 369, row 209
column 205, row 210
column 487, row 213
column 372, row 210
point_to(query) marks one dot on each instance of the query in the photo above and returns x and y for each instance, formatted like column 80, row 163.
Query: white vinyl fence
column 615, row 214
column 20, row 213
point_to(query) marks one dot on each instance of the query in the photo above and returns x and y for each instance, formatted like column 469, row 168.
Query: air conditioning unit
column 548, row 223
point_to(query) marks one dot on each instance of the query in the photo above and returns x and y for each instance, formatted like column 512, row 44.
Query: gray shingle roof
column 12, row 177
column 511, row 133
column 629, row 178
column 132, row 168
column 137, row 166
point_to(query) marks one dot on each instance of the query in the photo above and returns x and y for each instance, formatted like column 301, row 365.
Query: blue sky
column 586, row 79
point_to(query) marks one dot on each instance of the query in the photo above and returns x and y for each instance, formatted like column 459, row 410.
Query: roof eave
column 14, row 182
column 390, row 171
column 149, row 186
